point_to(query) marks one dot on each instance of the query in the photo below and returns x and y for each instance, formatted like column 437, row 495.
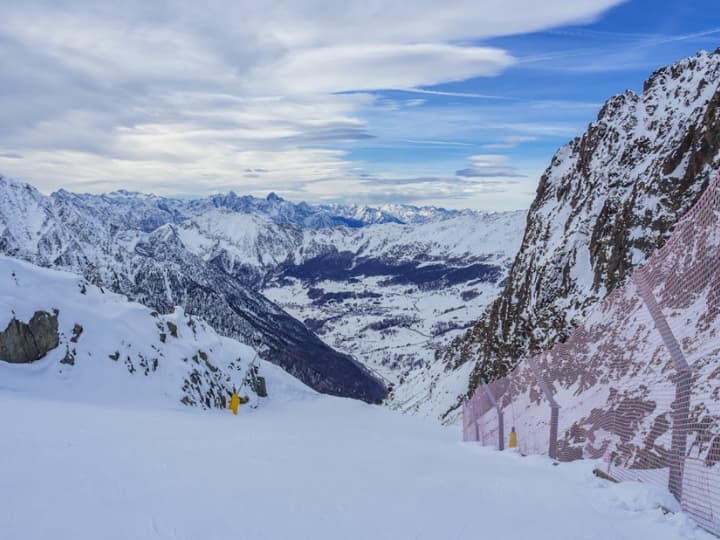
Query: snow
column 119, row 238
column 319, row 467
column 125, row 351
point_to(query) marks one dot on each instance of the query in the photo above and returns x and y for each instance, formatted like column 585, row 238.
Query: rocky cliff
column 608, row 199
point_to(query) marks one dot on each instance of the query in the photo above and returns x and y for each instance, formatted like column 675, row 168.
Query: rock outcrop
column 608, row 199
column 22, row 343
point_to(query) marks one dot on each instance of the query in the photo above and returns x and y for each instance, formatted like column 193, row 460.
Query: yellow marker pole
column 512, row 443
column 234, row 402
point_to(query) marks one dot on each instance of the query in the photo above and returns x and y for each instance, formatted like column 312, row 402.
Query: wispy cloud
column 490, row 166
column 611, row 52
column 436, row 143
column 188, row 97
column 507, row 142
column 472, row 95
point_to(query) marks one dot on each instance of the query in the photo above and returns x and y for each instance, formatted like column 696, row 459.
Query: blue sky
column 459, row 103
column 561, row 79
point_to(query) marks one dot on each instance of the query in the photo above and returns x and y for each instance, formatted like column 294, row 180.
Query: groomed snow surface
column 314, row 467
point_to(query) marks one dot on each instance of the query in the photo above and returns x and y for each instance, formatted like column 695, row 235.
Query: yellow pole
column 512, row 443
column 234, row 402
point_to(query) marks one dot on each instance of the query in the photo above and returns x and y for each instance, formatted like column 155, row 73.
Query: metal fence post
column 554, row 408
column 554, row 420
column 501, row 423
column 681, row 405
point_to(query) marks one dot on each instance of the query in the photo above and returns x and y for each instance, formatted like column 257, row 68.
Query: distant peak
column 274, row 197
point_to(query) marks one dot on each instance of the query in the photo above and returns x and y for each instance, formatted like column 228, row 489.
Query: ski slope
column 316, row 467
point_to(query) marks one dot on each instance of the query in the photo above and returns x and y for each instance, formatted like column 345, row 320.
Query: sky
column 455, row 103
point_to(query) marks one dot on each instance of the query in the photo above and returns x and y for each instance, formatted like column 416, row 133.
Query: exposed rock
column 256, row 382
column 22, row 343
column 605, row 203
column 69, row 358
column 173, row 329
column 76, row 332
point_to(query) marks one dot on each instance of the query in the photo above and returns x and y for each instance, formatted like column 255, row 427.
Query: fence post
column 501, row 423
column 465, row 419
column 554, row 408
column 681, row 405
column 554, row 420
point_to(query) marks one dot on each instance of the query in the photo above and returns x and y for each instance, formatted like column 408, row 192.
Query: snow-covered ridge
column 112, row 350
column 607, row 200
column 109, row 245
column 147, row 211
column 257, row 243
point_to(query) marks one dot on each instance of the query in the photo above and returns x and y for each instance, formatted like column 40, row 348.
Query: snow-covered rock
column 608, row 199
column 111, row 350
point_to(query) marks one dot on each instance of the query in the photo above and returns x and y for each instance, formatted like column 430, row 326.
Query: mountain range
column 413, row 306
column 400, row 276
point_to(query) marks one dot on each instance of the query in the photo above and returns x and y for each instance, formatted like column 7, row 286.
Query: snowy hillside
column 389, row 294
column 395, row 295
column 605, row 203
column 110, row 350
column 109, row 246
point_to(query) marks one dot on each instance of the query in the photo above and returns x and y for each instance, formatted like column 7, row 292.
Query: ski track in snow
column 319, row 467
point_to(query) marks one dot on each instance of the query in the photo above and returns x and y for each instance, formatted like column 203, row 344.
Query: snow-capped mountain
column 101, row 348
column 109, row 245
column 388, row 293
column 395, row 295
column 391, row 295
column 147, row 212
column 608, row 199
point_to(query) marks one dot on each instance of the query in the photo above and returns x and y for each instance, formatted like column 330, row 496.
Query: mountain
column 129, row 244
column 391, row 295
column 391, row 289
column 394, row 295
column 608, row 199
column 146, row 212
column 101, row 348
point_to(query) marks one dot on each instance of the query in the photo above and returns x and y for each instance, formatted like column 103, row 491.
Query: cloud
column 183, row 96
column 491, row 166
column 608, row 51
column 509, row 141
column 343, row 68
column 472, row 95
column 417, row 190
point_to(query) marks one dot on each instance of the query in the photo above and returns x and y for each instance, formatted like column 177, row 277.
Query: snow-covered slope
column 111, row 350
column 607, row 200
column 320, row 469
column 107, row 243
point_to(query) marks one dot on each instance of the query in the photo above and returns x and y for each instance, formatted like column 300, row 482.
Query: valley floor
column 318, row 468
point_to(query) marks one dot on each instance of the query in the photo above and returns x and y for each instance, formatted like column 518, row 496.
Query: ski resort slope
column 318, row 467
